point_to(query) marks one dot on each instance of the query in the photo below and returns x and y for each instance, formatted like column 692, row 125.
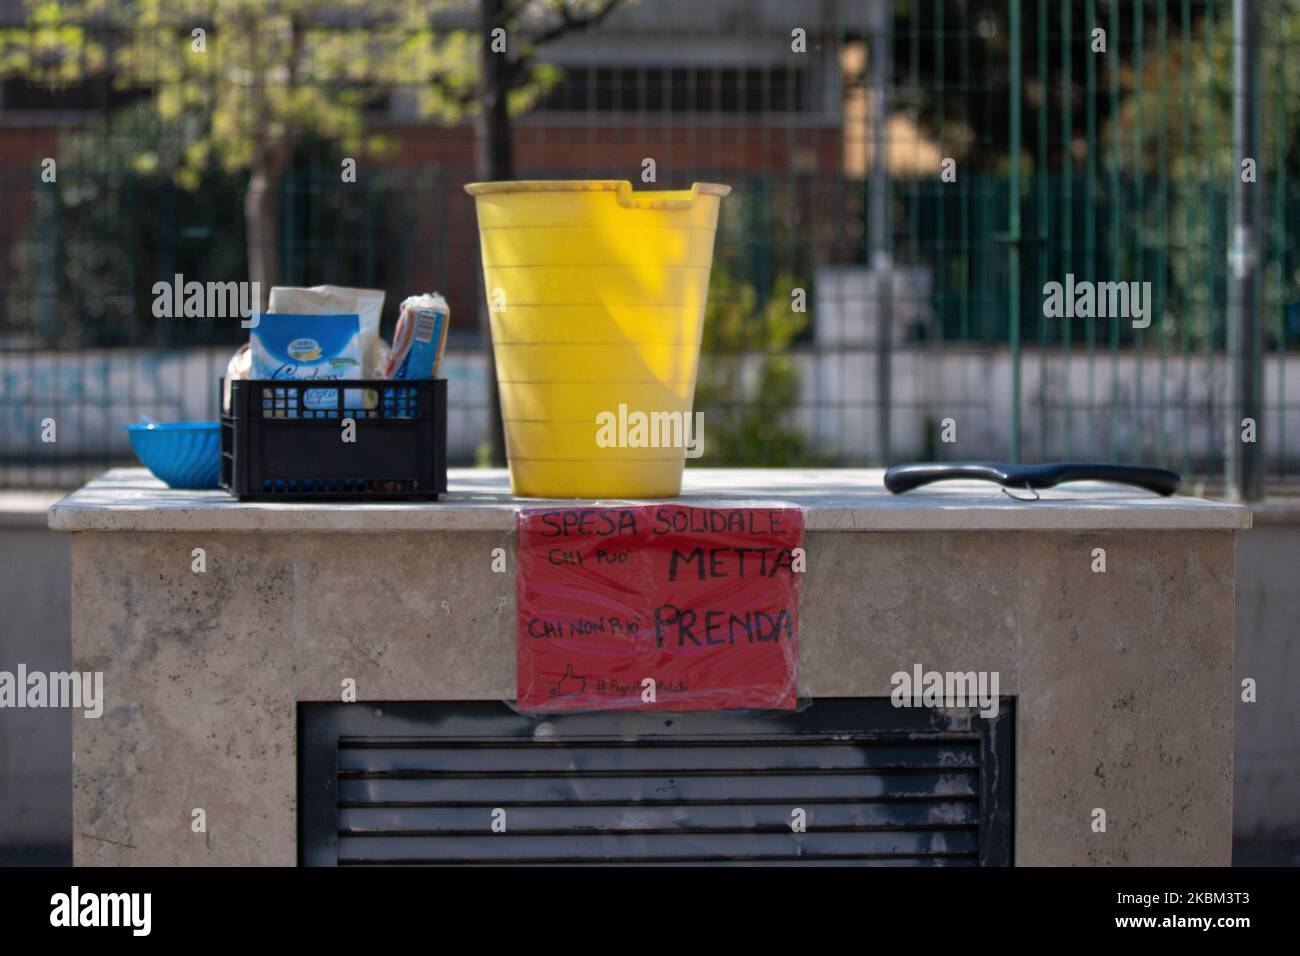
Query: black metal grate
column 418, row 783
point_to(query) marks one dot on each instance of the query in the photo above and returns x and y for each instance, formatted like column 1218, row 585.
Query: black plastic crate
column 283, row 440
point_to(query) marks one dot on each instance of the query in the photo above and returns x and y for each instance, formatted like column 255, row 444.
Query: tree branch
column 572, row 23
column 517, row 67
column 297, row 29
column 260, row 152
column 460, row 95
column 514, row 10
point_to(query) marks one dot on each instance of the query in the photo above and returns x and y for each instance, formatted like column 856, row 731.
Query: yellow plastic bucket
column 596, row 295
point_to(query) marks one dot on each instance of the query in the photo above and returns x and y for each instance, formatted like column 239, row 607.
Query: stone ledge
column 1276, row 511
column 26, row 509
column 129, row 499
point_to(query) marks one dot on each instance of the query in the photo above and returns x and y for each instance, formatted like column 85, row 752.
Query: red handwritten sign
column 658, row 607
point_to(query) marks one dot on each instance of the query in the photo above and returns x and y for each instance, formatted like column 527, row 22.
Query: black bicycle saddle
column 902, row 478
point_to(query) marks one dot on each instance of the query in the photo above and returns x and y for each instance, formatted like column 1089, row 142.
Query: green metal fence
column 1151, row 202
column 1111, row 165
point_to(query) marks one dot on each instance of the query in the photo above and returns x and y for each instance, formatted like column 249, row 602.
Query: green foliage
column 261, row 73
column 111, row 225
column 1177, row 112
column 229, row 95
column 53, row 47
column 115, row 222
column 748, row 384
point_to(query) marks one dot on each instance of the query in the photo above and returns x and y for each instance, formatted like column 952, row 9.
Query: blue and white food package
column 366, row 304
column 420, row 338
column 289, row 347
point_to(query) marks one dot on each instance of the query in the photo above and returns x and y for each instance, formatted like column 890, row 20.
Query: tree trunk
column 262, row 229
column 494, row 159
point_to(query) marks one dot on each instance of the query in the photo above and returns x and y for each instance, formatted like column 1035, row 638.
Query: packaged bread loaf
column 420, row 338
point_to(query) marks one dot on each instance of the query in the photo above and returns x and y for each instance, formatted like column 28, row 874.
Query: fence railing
column 1124, row 173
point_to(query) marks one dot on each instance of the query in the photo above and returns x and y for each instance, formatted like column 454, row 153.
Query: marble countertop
column 833, row 499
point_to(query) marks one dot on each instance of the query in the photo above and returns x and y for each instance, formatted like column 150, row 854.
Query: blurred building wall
column 35, row 745
column 1266, row 772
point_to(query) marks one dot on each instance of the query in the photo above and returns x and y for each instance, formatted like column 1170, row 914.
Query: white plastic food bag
column 239, row 367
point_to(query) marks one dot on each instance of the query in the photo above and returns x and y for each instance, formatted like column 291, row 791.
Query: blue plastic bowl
column 184, row 454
